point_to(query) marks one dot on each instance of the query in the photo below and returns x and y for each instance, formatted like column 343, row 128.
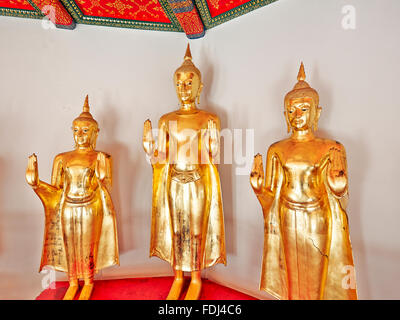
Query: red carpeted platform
column 144, row 289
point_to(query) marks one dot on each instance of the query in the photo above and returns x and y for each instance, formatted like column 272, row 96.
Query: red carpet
column 144, row 289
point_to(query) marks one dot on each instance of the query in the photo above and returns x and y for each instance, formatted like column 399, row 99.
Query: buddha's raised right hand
column 148, row 141
column 32, row 173
column 257, row 174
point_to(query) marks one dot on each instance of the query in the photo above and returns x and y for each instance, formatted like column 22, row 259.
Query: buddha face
column 301, row 113
column 188, row 86
column 85, row 133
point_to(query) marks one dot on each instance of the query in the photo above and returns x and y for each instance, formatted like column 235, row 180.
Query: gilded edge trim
column 21, row 13
column 211, row 22
column 79, row 17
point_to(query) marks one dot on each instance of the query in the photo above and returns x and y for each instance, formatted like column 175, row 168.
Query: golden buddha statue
column 187, row 228
column 80, row 235
column 303, row 196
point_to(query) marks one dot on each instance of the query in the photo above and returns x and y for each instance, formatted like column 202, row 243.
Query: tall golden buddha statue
column 307, row 250
column 80, row 235
column 187, row 228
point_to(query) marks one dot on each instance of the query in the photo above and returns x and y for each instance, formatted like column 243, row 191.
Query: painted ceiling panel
column 138, row 14
column 18, row 8
column 218, row 7
column 193, row 17
column 143, row 10
column 215, row 12
column 55, row 12
column 16, row 4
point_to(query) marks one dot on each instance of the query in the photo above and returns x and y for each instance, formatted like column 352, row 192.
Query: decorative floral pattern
column 191, row 16
column 143, row 10
column 191, row 24
column 217, row 7
column 215, row 12
column 16, row 4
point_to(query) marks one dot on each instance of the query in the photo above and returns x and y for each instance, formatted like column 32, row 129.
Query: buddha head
column 187, row 80
column 302, row 109
column 85, row 129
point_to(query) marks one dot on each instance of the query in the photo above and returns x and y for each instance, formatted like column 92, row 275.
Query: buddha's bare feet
column 86, row 291
column 71, row 292
column 194, row 290
column 176, row 288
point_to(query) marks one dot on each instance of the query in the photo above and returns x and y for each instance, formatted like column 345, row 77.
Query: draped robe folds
column 161, row 244
column 274, row 277
column 53, row 252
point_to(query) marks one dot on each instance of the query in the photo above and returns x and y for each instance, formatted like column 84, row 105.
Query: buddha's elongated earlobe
column 94, row 139
column 287, row 122
column 316, row 118
column 198, row 93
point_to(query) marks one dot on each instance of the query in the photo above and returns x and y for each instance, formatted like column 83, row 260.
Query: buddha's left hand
column 337, row 170
column 211, row 138
column 101, row 167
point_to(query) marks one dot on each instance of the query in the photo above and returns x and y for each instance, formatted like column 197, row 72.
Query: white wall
column 248, row 65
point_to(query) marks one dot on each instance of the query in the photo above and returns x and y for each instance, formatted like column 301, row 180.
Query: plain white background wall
column 248, row 65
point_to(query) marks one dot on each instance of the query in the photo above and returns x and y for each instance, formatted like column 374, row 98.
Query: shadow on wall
column 123, row 186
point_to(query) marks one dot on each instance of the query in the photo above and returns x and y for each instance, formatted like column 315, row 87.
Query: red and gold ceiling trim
column 19, row 8
column 55, row 12
column 188, row 17
column 215, row 12
column 138, row 14
column 193, row 17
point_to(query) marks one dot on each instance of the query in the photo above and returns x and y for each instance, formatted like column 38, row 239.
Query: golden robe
column 161, row 244
column 53, row 252
column 274, row 277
